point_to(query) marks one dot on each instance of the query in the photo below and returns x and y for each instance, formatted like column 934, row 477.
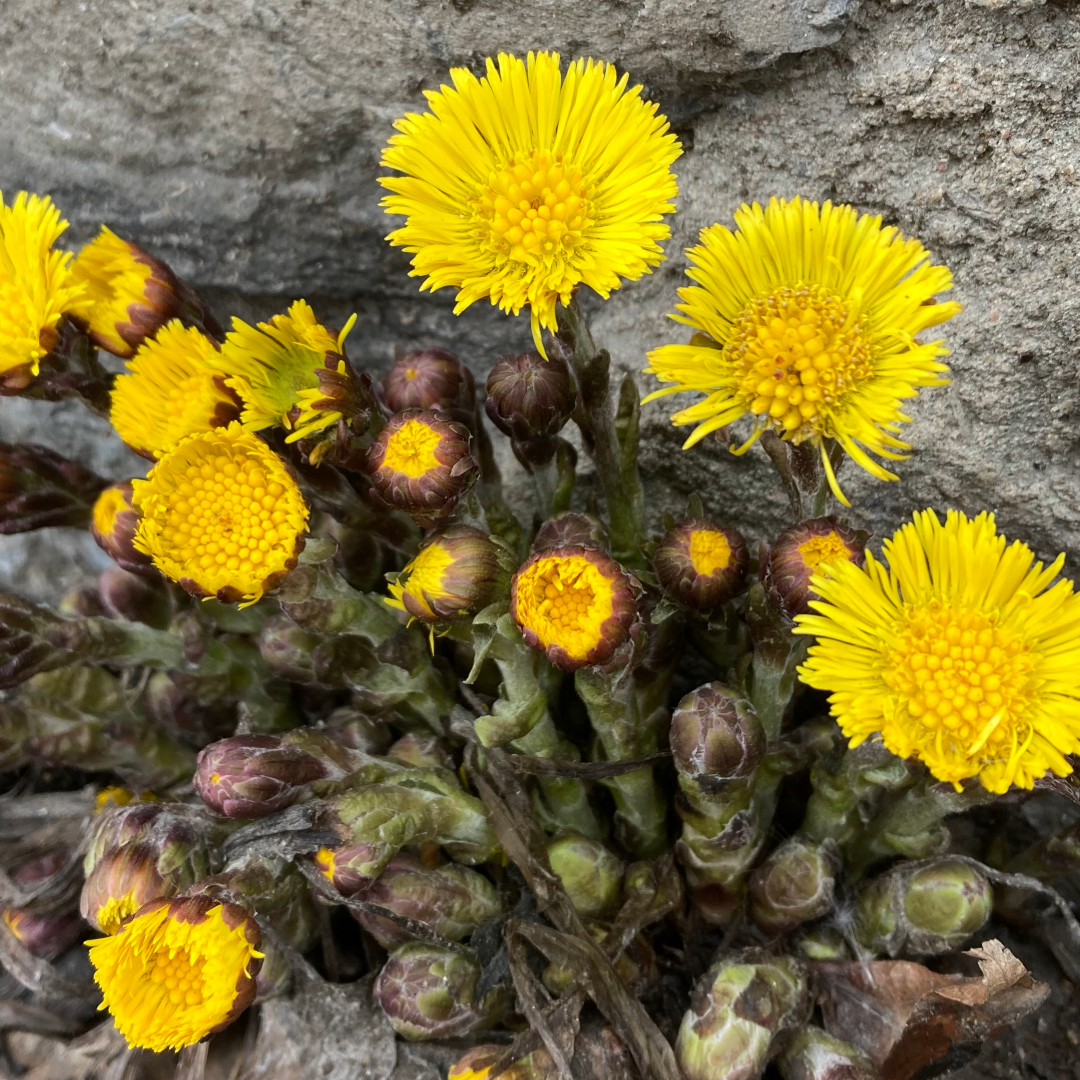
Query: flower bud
column 451, row 900
column 701, row 565
column 422, row 752
column 358, row 730
column 805, row 549
column 811, row 1054
column 430, row 993
column 735, row 1012
column 923, row 910
column 352, row 868
column 134, row 295
column 716, row 734
column 428, row 379
column 822, row 943
column 45, row 934
column 135, row 599
column 456, row 573
column 420, row 463
column 793, row 885
column 591, row 875
column 569, row 529
column 530, row 399
column 40, row 488
column 575, row 604
column 113, row 525
column 81, row 602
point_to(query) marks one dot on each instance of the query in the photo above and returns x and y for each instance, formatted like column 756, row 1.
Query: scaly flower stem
column 778, row 653
column 615, row 457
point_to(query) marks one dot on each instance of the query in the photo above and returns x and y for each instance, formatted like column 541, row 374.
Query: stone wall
column 239, row 139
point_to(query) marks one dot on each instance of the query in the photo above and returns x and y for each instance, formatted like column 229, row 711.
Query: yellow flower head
column 810, row 315
column 177, row 971
column 576, row 604
column 701, row 565
column 36, row 286
column 524, row 184
column 960, row 652
column 221, row 515
column 173, row 390
column 274, row 368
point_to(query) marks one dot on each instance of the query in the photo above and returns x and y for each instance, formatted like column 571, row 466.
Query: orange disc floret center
column 565, row 601
column 821, row 550
column 535, row 207
column 964, row 679
column 411, row 449
column 110, row 503
column 709, row 551
column 795, row 353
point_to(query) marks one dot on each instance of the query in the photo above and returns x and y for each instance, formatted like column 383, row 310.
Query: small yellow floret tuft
column 819, row 551
column 709, row 551
column 422, row 579
column 411, row 449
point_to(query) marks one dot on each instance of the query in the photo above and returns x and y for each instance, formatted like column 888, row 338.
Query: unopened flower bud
column 430, row 993
column 591, row 874
column 716, row 734
column 803, row 550
column 40, row 488
column 570, row 529
column 422, row 752
column 822, row 943
column 44, row 933
column 923, row 910
column 701, row 565
column 530, row 399
column 735, row 1012
column 812, row 1054
column 420, row 463
column 352, row 868
column 134, row 598
column 793, row 885
column 113, row 525
column 428, row 379
column 450, row 900
column 456, row 573
column 81, row 602
column 358, row 730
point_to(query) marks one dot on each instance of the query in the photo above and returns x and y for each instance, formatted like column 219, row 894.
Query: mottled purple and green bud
column 44, row 933
column 450, row 900
column 923, row 910
column 701, row 565
column 803, row 550
column 422, row 752
column 428, row 379
column 793, row 885
column 431, row 993
column 570, row 529
column 359, row 730
column 591, row 874
column 736, row 1011
column 457, row 572
column 113, row 525
column 176, row 831
column 812, row 1054
column 39, row 488
column 715, row 733
column 530, row 399
column 352, row 868
column 420, row 463
column 822, row 943
column 134, row 598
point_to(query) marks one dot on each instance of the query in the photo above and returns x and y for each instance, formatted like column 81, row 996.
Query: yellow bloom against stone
column 172, row 390
column 565, row 601
column 709, row 551
column 273, row 367
column 961, row 651
column 36, row 282
column 169, row 983
column 521, row 185
column 812, row 314
column 222, row 513
column 114, row 280
column 422, row 579
column 411, row 449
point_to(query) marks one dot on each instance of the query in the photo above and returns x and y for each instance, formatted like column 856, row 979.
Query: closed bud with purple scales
column 716, row 734
column 570, row 529
column 40, row 488
column 793, row 885
column 428, row 379
column 530, row 399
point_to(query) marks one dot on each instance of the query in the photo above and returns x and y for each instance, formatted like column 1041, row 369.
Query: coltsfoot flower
column 36, row 286
column 701, row 565
column 809, row 315
column 961, row 651
column 530, row 399
column 132, row 294
column 428, row 379
column 178, row 971
column 352, row 868
column 173, row 389
column 576, row 604
column 420, row 463
column 803, row 550
column 453, row 576
column 275, row 366
column 524, row 184
column 126, row 879
column 113, row 524
column 221, row 515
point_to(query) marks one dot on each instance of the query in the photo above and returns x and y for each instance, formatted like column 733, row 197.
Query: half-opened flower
column 113, row 524
column 178, row 971
column 576, row 604
column 959, row 650
column 807, row 317
column 524, row 184
column 701, row 565
column 221, row 515
column 803, row 550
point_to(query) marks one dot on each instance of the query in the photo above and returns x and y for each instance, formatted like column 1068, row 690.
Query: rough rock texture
column 240, row 141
